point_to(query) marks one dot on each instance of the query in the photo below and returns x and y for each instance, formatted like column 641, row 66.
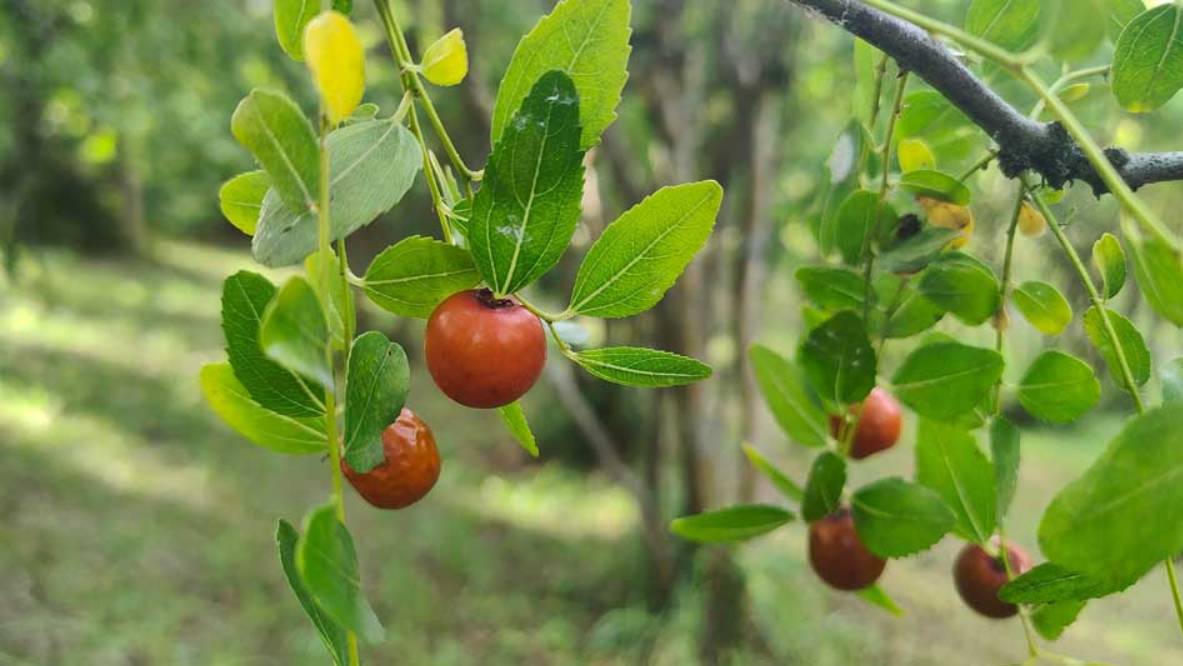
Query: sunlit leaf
column 1043, row 306
column 515, row 422
column 413, row 276
column 278, row 134
column 736, row 523
column 638, row 366
column 241, row 199
column 949, row 462
column 945, row 380
column 294, row 332
column 327, row 563
column 1109, row 259
column 787, row 486
column 231, row 402
column 445, row 61
column 337, row 62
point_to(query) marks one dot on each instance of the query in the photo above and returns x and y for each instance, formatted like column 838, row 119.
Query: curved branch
column 1023, row 143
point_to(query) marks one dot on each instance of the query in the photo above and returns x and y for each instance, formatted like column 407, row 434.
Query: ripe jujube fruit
column 979, row 575
column 879, row 424
column 410, row 469
column 837, row 555
column 484, row 351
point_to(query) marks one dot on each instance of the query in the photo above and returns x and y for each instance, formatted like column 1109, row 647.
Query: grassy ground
column 134, row 529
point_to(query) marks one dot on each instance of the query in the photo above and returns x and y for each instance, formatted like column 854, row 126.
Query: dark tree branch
column 1045, row 148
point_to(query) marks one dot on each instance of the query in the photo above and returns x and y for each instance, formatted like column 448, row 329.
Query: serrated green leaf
column 1148, row 59
column 1133, row 346
column 823, row 490
column 376, row 387
column 515, row 422
column 1050, row 582
column 787, row 486
column 1004, row 454
column 527, row 208
column 936, row 185
column 1125, row 514
column 280, row 137
column 1120, row 13
column 949, row 462
column 786, row 393
column 832, row 288
column 327, row 563
column 1043, row 306
column 1109, row 259
column 291, row 17
column 1050, row 620
column 838, row 359
column 642, row 253
column 586, row 39
column 412, row 277
column 876, row 596
column 1160, row 272
column 245, row 296
column 231, row 402
column 372, row 165
column 1011, row 24
column 1059, row 388
column 294, row 333
column 963, row 286
column 946, row 380
column 241, row 199
column 1172, row 381
column 638, row 366
column 895, row 518
column 331, row 633
column 735, row 523
column 913, row 314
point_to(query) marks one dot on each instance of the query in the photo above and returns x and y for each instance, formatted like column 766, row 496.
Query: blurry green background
column 135, row 529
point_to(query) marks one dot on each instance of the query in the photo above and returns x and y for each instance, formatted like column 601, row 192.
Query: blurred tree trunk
column 133, row 225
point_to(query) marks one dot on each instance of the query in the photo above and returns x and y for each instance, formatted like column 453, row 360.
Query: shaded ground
column 135, row 529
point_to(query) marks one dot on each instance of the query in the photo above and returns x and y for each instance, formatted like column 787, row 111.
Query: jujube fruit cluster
column 837, row 555
column 879, row 423
column 484, row 351
column 410, row 468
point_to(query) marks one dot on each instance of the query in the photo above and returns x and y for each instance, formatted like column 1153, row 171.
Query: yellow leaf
column 337, row 61
column 1031, row 222
column 445, row 62
column 1074, row 92
column 949, row 216
column 914, row 154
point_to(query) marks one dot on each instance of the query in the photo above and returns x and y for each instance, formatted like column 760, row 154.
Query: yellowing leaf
column 337, row 62
column 949, row 216
column 914, row 154
column 1031, row 222
column 445, row 62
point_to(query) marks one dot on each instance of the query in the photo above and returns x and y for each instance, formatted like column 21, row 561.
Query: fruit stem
column 542, row 314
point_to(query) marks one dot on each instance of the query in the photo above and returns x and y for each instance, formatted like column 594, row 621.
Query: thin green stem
column 1175, row 591
column 880, row 73
column 540, row 313
column 884, row 187
column 1004, row 288
column 977, row 44
column 1032, row 645
column 978, row 166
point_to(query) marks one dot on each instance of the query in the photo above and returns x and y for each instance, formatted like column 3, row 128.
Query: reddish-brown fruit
column 979, row 575
column 482, row 351
column 878, row 426
column 838, row 557
column 411, row 468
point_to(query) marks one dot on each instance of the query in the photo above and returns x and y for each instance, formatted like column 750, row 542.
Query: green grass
column 135, row 529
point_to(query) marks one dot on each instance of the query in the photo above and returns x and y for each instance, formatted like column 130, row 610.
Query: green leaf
column 342, row 315
column 1109, row 259
column 1172, row 381
column 1043, row 306
column 1159, row 270
column 823, row 490
column 832, row 288
column 241, row 198
column 1050, row 582
column 328, row 566
column 913, row 314
column 735, row 523
column 642, row 253
column 280, row 137
column 375, row 392
column 586, row 40
column 1120, row 13
column 343, row 6
column 875, row 596
column 372, row 165
column 838, row 359
column 231, row 402
column 784, row 387
column 936, row 185
column 514, row 419
column 1148, row 60
column 914, row 253
column 638, row 366
column 842, row 178
column 1004, row 454
column 294, row 333
column 1059, row 388
column 245, row 296
column 1125, row 513
column 949, row 461
column 1133, row 347
column 927, row 112
column 895, row 518
column 1075, row 29
column 1050, row 620
column 963, row 286
column 291, row 16
column 412, row 277
column 1011, row 24
column 945, row 380
column 856, row 224
column 331, row 633
column 787, row 486
column 863, row 99
column 527, row 208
